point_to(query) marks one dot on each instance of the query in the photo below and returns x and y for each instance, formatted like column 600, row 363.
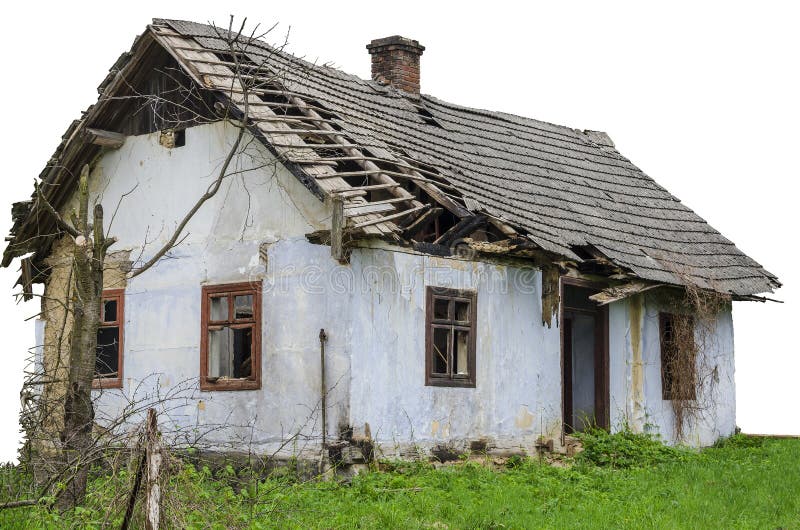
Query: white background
column 705, row 98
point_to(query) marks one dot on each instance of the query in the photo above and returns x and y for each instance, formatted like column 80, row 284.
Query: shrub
column 739, row 441
column 515, row 461
column 625, row 449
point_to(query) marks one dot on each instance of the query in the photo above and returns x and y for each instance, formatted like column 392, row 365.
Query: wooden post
column 148, row 465
column 337, row 228
column 137, row 482
column 152, row 506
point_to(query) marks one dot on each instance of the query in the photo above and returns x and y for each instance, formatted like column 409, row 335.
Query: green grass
column 620, row 481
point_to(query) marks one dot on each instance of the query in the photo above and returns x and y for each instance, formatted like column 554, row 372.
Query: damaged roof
column 566, row 190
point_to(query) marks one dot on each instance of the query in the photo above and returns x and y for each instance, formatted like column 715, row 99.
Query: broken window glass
column 441, row 349
column 107, row 359
column 243, row 306
column 219, row 308
column 242, row 351
column 109, row 311
column 441, row 308
column 462, row 311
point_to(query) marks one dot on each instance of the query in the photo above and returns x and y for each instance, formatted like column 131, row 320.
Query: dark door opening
column 584, row 350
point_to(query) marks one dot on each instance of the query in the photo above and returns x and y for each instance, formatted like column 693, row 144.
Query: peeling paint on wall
column 524, row 419
column 434, row 428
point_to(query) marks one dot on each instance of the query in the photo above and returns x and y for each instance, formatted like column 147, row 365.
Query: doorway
column 584, row 357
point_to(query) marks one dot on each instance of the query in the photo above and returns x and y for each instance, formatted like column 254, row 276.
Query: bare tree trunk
column 89, row 256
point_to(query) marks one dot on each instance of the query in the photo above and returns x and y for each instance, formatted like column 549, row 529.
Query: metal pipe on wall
column 323, row 338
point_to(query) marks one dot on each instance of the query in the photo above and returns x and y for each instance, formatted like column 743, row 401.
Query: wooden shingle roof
column 564, row 189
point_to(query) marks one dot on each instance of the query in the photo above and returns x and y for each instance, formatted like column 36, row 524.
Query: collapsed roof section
column 417, row 170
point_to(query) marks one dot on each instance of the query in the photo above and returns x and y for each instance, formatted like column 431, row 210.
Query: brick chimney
column 395, row 61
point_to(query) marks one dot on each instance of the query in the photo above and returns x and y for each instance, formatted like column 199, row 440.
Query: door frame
column 601, row 360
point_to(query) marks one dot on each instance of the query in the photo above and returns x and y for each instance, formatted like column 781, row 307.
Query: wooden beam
column 422, row 221
column 504, row 228
column 387, row 201
column 366, row 188
column 390, row 217
column 416, row 179
column 367, row 208
column 355, row 150
column 432, row 189
column 618, row 292
column 27, row 279
column 112, row 140
column 461, row 229
column 337, row 228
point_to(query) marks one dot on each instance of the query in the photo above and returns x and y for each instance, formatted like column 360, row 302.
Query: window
column 230, row 349
column 450, row 337
column 108, row 359
column 678, row 357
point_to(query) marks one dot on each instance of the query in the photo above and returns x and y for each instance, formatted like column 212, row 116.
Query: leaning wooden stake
column 149, row 468
column 154, row 460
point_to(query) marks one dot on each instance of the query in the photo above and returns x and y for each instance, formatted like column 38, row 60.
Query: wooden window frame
column 231, row 290
column 665, row 319
column 119, row 296
column 431, row 294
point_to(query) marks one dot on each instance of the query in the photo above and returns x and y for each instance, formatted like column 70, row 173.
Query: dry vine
column 691, row 373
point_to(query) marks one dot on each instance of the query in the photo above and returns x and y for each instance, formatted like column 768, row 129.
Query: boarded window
column 108, row 358
column 230, row 356
column 450, row 337
column 678, row 357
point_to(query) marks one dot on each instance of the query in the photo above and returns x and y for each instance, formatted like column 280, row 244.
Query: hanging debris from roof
column 551, row 299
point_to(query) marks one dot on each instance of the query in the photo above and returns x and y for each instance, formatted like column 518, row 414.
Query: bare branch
column 62, row 224
column 17, row 504
column 119, row 202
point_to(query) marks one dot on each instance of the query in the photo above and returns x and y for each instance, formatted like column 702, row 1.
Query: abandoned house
column 379, row 264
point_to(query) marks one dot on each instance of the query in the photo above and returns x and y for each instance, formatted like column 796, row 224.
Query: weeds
column 619, row 481
column 626, row 449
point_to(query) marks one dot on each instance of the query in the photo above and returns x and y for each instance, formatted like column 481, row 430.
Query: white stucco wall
column 266, row 205
column 371, row 309
column 517, row 394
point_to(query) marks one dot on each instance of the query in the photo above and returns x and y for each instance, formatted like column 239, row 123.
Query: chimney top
column 395, row 62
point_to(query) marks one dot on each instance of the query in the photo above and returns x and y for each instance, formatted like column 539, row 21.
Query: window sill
column 452, row 383
column 229, row 384
column 102, row 384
